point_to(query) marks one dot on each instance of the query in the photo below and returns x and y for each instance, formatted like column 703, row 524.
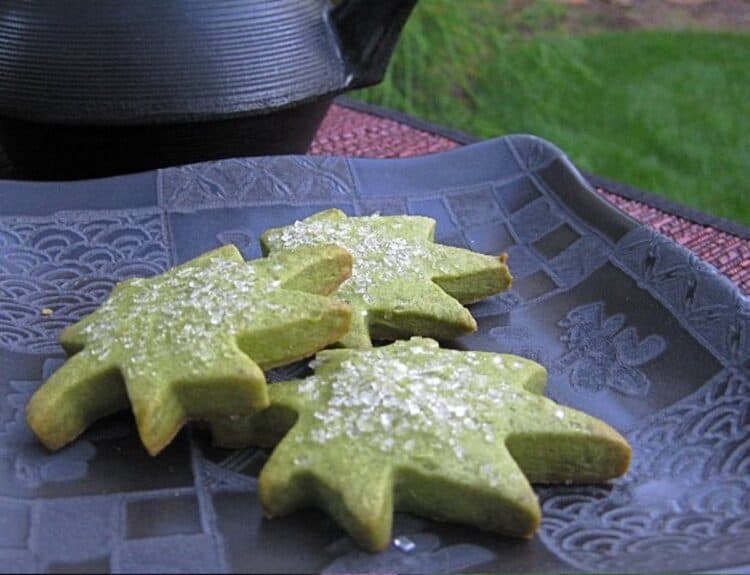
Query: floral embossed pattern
column 703, row 299
column 55, row 270
column 684, row 504
column 34, row 467
column 246, row 181
column 603, row 353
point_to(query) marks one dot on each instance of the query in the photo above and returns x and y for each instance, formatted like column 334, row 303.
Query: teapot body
column 133, row 85
column 64, row 151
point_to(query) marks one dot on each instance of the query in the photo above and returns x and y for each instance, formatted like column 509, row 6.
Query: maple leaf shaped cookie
column 192, row 342
column 450, row 435
column 402, row 283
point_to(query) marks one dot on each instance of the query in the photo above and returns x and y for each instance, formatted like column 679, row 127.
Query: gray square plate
column 632, row 328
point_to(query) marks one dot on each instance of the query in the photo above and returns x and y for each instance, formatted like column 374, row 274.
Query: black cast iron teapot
column 98, row 87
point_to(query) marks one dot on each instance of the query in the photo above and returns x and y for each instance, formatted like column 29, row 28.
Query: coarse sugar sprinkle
column 380, row 252
column 183, row 309
column 404, row 391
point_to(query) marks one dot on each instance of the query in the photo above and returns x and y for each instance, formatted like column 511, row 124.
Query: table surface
column 354, row 129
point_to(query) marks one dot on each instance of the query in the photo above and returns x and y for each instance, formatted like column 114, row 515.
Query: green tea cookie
column 450, row 435
column 402, row 283
column 191, row 342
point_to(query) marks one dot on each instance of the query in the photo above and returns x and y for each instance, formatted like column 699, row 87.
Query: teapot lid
column 144, row 61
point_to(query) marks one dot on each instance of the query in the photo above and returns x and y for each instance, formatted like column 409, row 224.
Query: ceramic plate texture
column 632, row 328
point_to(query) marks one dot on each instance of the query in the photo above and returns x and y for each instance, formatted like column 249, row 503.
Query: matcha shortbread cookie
column 192, row 342
column 402, row 283
column 450, row 435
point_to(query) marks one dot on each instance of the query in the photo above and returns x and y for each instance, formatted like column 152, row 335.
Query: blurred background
column 650, row 93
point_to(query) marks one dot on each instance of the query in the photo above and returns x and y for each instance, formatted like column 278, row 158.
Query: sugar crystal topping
column 183, row 309
column 380, row 253
column 404, row 393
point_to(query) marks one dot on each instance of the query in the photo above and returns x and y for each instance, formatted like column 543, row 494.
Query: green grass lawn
column 668, row 112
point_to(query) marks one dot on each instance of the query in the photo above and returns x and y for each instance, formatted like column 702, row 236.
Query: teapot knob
column 368, row 31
